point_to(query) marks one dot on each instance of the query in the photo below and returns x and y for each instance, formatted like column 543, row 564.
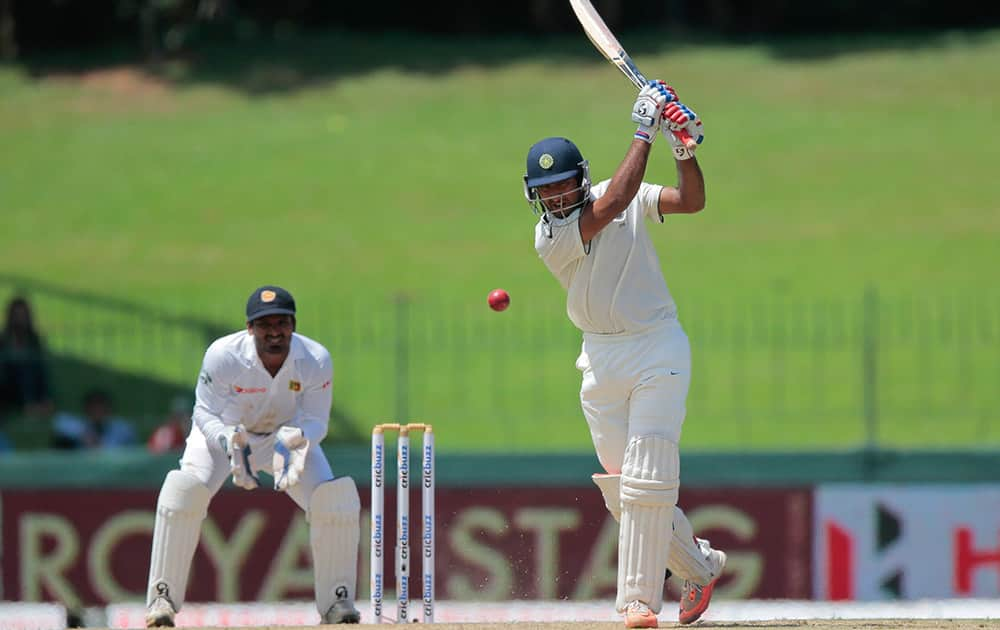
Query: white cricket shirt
column 615, row 286
column 234, row 388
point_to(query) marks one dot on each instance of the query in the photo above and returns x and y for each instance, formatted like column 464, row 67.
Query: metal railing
column 768, row 373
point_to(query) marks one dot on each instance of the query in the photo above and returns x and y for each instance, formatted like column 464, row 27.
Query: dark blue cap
column 552, row 160
column 269, row 300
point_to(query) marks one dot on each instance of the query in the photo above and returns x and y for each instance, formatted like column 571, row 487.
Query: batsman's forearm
column 625, row 184
column 691, row 184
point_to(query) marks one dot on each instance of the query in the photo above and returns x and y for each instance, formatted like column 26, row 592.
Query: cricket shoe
column 638, row 615
column 161, row 613
column 342, row 611
column 695, row 597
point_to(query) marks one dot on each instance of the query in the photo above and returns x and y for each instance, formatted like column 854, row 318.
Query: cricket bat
column 606, row 42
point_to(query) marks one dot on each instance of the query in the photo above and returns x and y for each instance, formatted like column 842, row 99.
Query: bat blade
column 605, row 41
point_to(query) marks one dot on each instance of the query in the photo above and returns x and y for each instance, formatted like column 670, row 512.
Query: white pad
column 182, row 506
column 334, row 529
column 610, row 486
column 649, row 486
column 688, row 556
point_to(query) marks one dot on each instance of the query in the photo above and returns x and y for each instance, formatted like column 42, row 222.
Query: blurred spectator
column 25, row 377
column 170, row 435
column 98, row 428
column 24, row 383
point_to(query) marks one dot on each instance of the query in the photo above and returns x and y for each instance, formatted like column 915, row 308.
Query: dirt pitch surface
column 963, row 614
column 811, row 624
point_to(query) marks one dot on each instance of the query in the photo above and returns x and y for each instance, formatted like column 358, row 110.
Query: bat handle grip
column 686, row 138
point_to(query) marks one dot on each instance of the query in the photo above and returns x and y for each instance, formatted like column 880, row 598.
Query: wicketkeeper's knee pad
column 334, row 532
column 180, row 509
column 184, row 493
column 333, row 500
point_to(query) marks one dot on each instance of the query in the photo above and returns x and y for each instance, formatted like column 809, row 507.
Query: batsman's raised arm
column 647, row 112
column 621, row 191
column 688, row 196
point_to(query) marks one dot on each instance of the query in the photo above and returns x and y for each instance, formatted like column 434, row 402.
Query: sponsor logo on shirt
column 326, row 384
column 206, row 378
column 295, row 386
column 249, row 390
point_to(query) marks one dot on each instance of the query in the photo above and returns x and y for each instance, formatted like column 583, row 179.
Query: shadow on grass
column 144, row 399
column 278, row 62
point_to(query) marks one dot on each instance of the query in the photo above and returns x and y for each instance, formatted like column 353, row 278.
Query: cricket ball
column 498, row 299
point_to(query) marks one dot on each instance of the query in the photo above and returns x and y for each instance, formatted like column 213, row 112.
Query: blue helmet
column 553, row 160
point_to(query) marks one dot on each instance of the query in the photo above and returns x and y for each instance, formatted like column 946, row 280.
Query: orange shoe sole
column 693, row 615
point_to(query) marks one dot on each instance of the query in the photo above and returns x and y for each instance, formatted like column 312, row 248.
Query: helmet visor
column 550, row 178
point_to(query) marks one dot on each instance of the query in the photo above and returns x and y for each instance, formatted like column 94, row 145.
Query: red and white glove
column 677, row 116
column 648, row 109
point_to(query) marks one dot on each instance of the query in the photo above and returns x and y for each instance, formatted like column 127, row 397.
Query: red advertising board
column 92, row 546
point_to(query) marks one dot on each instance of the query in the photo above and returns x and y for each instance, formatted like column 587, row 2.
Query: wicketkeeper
column 262, row 403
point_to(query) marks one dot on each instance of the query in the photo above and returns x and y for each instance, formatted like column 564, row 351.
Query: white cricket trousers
column 634, row 385
column 212, row 468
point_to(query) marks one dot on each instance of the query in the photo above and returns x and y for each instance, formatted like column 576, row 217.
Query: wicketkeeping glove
column 290, row 448
column 235, row 445
column 648, row 109
column 677, row 116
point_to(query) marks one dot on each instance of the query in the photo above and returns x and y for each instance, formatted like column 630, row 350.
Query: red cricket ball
column 499, row 299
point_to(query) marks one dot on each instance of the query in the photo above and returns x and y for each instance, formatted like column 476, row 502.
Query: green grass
column 830, row 165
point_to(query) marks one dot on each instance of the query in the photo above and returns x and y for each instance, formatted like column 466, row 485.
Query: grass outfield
column 830, row 165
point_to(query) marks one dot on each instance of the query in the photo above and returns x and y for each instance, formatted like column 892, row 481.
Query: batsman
column 262, row 404
column 635, row 357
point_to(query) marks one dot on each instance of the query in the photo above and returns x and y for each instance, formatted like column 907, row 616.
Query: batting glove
column 648, row 109
column 677, row 116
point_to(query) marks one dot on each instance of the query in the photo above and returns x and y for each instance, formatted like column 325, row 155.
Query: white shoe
column 718, row 560
column 342, row 611
column 638, row 615
column 161, row 613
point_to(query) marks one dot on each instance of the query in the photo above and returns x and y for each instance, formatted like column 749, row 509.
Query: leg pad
column 180, row 510
column 649, row 485
column 334, row 531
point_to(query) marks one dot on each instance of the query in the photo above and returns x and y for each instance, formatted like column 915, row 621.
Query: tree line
column 154, row 27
